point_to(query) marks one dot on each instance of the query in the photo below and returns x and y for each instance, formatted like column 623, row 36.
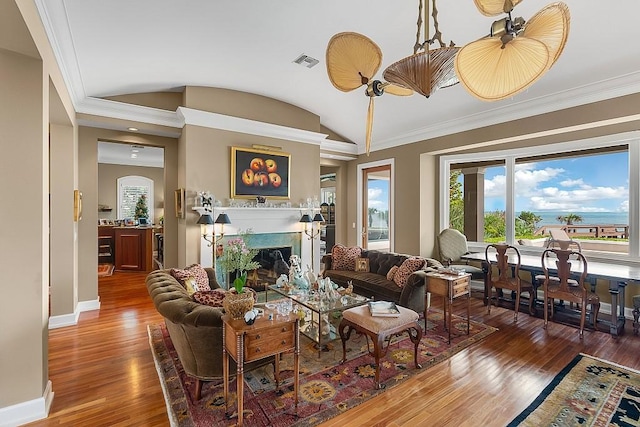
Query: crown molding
column 129, row 112
column 236, row 124
column 600, row 91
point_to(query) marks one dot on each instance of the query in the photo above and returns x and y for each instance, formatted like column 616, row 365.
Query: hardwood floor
column 103, row 372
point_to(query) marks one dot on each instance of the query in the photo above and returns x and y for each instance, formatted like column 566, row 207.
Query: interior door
column 376, row 208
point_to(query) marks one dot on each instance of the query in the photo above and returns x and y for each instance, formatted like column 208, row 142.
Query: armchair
column 452, row 245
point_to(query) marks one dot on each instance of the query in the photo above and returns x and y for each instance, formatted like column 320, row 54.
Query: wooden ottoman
column 379, row 329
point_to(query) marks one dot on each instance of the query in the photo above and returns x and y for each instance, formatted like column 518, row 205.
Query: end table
column 450, row 287
column 247, row 343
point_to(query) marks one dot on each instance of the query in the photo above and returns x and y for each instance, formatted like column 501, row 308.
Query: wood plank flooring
column 103, row 372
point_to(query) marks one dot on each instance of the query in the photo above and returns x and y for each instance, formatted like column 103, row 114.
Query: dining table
column 617, row 276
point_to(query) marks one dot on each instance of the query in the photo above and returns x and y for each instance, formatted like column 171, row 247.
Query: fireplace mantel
column 265, row 220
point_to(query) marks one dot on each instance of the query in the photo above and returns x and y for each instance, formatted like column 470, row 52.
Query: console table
column 247, row 343
column 617, row 274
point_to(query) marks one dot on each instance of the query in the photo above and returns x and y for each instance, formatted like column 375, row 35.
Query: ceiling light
column 132, row 129
column 426, row 70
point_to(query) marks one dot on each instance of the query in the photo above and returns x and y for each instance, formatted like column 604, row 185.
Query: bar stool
column 636, row 314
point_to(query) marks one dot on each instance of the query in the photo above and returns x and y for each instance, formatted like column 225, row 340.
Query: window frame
column 136, row 181
column 631, row 139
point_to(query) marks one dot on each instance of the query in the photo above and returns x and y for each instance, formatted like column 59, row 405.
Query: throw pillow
column 392, row 272
column 196, row 271
column 406, row 269
column 213, row 298
column 191, row 285
column 343, row 258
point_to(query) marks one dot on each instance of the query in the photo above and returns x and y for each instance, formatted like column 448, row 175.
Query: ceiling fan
column 515, row 53
column 352, row 61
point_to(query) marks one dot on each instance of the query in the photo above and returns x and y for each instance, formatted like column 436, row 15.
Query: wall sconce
column 312, row 231
column 206, row 220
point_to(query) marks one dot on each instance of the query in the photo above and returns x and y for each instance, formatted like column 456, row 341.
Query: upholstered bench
column 380, row 329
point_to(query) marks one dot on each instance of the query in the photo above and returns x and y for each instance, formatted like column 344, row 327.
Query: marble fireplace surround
column 272, row 227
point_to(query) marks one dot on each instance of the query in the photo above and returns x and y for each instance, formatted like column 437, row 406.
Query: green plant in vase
column 238, row 256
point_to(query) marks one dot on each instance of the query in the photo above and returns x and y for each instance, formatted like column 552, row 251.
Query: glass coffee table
column 321, row 316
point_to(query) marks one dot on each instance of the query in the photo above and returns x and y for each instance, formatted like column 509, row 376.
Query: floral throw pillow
column 392, row 272
column 344, row 258
column 197, row 272
column 213, row 298
column 406, row 269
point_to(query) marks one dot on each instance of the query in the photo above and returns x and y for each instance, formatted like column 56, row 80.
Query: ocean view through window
column 581, row 187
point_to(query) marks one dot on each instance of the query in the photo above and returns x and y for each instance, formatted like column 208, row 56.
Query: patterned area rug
column 105, row 270
column 327, row 388
column 588, row 392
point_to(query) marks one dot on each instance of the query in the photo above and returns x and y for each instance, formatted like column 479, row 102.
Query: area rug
column 587, row 392
column 105, row 270
column 327, row 388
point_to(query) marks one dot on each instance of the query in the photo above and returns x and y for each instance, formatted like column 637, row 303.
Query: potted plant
column 237, row 258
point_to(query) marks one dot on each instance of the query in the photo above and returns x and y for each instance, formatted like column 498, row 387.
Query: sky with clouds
column 582, row 184
column 379, row 194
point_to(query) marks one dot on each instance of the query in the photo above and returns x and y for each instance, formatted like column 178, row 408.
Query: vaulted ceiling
column 115, row 47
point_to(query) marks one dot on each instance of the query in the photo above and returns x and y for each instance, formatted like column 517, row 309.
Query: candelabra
column 206, row 220
column 312, row 231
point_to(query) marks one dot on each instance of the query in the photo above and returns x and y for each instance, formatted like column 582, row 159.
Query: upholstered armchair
column 452, row 245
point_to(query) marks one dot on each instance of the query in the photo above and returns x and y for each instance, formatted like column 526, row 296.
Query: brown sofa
column 195, row 329
column 374, row 283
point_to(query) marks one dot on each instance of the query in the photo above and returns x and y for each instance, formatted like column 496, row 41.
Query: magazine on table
column 383, row 309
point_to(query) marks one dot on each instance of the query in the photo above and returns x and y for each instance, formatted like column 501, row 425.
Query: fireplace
column 273, row 262
column 272, row 228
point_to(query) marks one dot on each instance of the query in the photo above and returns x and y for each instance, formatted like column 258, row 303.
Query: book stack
column 383, row 309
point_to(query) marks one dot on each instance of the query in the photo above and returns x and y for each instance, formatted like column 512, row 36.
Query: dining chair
column 508, row 275
column 562, row 287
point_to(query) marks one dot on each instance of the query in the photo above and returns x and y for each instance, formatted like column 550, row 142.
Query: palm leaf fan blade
column 491, row 73
column 351, row 56
column 550, row 26
column 397, row 90
column 367, row 140
column 494, row 7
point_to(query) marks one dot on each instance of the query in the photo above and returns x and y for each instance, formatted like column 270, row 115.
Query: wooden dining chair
column 508, row 275
column 562, row 287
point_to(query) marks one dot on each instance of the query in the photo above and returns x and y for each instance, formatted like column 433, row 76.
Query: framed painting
column 259, row 173
column 179, row 202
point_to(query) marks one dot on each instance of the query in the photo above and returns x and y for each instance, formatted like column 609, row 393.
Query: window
column 582, row 187
column 130, row 188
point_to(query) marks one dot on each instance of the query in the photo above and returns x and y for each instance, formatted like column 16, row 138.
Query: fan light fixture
column 516, row 53
column 426, row 70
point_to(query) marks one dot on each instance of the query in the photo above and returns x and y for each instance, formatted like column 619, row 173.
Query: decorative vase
column 237, row 305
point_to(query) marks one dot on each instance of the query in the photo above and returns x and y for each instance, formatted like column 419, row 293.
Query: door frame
column 359, row 197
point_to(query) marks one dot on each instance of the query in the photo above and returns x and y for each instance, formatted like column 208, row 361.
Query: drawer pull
column 257, row 349
column 283, row 342
column 284, row 329
column 258, row 336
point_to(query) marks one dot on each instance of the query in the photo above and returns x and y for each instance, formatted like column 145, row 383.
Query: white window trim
column 359, row 195
column 632, row 139
column 136, row 181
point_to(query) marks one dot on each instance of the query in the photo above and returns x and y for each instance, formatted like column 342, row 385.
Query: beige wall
column 108, row 189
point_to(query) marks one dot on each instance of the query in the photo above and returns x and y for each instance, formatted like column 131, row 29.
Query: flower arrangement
column 238, row 257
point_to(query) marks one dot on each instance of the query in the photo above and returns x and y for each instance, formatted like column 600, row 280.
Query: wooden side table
column 247, row 343
column 449, row 287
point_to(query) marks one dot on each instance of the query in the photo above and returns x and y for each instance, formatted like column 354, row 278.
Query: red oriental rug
column 327, row 388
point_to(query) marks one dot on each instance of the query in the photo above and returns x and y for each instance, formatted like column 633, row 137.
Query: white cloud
column 527, row 180
column 374, row 194
column 572, row 182
column 624, row 206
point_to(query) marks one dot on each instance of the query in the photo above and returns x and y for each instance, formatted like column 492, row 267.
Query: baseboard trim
column 26, row 412
column 88, row 305
column 71, row 319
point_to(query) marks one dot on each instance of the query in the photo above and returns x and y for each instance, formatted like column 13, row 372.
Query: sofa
column 195, row 329
column 376, row 282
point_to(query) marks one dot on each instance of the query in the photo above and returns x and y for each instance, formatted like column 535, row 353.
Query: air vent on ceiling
column 307, row 61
